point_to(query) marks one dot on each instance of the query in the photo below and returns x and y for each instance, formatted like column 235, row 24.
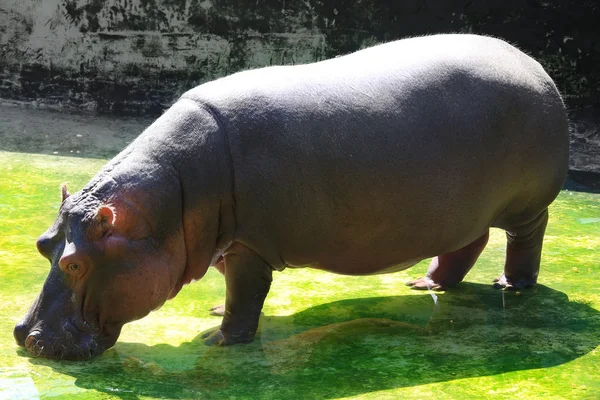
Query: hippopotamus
column 362, row 164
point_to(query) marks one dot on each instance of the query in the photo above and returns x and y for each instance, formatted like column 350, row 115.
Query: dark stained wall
column 136, row 56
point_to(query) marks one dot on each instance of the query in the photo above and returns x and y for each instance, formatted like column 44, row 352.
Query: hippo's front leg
column 247, row 279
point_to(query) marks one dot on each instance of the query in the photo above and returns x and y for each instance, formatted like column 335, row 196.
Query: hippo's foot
column 450, row 269
column 213, row 338
column 216, row 337
column 217, row 311
column 514, row 284
column 523, row 253
column 425, row 283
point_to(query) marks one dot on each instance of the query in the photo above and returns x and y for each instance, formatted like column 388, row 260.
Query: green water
column 322, row 335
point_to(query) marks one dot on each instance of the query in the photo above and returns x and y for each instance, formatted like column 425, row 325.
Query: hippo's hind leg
column 449, row 269
column 523, row 253
column 247, row 279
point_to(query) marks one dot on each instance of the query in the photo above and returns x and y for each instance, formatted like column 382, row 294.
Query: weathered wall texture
column 131, row 55
column 137, row 56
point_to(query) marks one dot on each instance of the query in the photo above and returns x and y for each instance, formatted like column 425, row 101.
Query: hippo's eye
column 73, row 269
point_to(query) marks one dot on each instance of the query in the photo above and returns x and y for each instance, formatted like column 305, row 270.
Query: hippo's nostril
column 33, row 344
column 30, row 340
column 20, row 333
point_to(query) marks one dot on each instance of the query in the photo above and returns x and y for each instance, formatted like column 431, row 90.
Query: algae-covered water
column 322, row 335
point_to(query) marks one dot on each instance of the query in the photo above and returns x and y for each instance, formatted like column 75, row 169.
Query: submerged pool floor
column 321, row 335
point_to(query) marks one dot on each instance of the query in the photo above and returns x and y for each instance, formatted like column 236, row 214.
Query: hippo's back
column 392, row 154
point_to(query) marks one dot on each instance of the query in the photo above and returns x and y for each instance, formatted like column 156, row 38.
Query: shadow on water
column 356, row 346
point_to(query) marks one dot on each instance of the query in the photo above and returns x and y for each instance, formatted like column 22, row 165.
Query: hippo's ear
column 105, row 217
column 65, row 192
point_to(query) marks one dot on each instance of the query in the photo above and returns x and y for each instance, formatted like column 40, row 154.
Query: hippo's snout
column 65, row 344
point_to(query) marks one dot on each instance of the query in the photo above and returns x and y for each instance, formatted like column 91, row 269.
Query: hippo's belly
column 371, row 162
column 350, row 267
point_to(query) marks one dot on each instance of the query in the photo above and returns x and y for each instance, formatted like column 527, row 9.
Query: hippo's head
column 110, row 264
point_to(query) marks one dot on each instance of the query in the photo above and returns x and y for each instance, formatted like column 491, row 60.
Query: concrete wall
column 137, row 56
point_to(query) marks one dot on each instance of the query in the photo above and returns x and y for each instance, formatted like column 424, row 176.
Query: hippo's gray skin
column 362, row 164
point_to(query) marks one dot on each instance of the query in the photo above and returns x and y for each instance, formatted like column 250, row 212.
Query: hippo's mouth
column 62, row 348
column 66, row 343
